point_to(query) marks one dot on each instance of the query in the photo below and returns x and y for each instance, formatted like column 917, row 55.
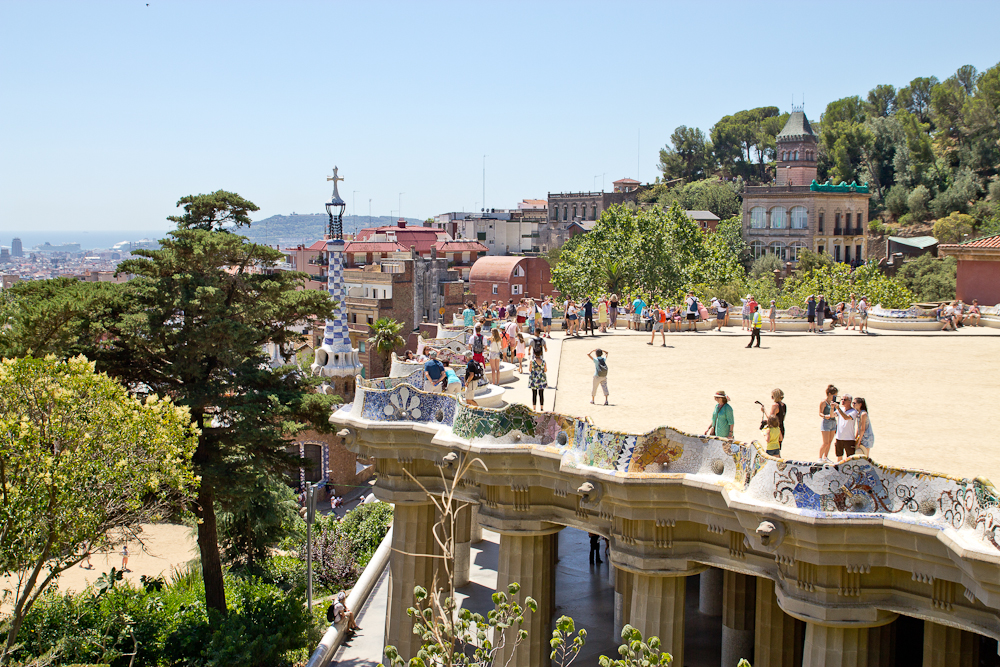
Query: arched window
column 778, row 249
column 782, row 156
column 593, row 212
column 757, row 248
column 778, row 217
column 799, row 217
column 565, row 212
column 314, row 454
column 574, row 211
column 758, row 217
column 793, row 250
column 796, row 155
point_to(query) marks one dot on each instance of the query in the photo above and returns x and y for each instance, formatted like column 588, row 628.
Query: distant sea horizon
column 87, row 240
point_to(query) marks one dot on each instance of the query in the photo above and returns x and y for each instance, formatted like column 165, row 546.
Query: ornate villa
column 797, row 213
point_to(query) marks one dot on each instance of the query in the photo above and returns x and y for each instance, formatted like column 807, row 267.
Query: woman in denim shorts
column 828, row 423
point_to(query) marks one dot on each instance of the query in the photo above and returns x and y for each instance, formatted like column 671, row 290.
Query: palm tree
column 385, row 339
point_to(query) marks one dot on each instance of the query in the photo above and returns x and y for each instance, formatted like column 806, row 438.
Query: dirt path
column 167, row 546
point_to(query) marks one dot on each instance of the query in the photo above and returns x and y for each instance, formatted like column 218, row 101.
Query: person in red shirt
column 659, row 324
column 753, row 307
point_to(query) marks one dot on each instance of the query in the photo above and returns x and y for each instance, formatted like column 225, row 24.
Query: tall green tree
column 689, row 157
column 881, row 101
column 82, row 465
column 193, row 325
column 743, row 142
column 915, row 98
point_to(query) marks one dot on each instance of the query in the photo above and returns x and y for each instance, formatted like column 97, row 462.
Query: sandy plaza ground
column 930, row 395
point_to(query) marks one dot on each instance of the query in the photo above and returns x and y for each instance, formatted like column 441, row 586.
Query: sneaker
column 664, row 345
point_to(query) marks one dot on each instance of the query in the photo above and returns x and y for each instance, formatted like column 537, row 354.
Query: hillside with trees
column 307, row 228
column 928, row 149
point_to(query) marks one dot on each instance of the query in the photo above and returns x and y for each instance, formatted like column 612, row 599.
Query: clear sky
column 111, row 111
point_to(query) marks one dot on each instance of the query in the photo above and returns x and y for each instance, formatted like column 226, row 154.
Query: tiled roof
column 626, row 180
column 373, row 246
column 460, row 245
column 797, row 127
column 982, row 242
column 701, row 215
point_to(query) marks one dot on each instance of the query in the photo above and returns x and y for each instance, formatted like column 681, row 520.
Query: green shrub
column 930, row 278
column 169, row 626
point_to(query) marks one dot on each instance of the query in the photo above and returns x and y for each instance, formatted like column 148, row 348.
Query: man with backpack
column 692, row 312
column 477, row 344
column 538, row 346
column 600, row 373
column 473, row 374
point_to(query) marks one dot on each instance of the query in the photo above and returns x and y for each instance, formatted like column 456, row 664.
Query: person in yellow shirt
column 773, row 436
column 756, row 322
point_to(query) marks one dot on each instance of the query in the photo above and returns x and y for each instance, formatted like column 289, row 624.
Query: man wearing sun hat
column 722, row 417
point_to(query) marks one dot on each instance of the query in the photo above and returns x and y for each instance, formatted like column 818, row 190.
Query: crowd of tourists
column 844, row 424
column 956, row 314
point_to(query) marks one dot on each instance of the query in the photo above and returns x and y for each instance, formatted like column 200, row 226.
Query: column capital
column 858, row 616
column 517, row 527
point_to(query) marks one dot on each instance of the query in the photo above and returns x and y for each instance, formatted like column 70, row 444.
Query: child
column 773, row 436
column 124, row 555
column 519, row 351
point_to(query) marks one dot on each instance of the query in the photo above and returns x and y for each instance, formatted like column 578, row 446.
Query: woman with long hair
column 828, row 425
column 613, row 311
column 496, row 351
column 864, row 437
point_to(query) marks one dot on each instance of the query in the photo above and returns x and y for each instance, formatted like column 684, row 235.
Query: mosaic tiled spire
column 335, row 335
column 336, row 357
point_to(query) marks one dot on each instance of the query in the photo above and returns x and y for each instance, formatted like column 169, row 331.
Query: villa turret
column 796, row 151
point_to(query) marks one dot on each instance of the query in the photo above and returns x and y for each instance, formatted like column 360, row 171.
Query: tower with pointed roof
column 796, row 147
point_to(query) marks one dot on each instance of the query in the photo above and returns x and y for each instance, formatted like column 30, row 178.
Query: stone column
column 951, row 647
column 623, row 600
column 710, row 592
column 528, row 559
column 852, row 646
column 778, row 636
column 411, row 534
column 477, row 529
column 463, row 546
column 739, row 601
column 658, row 611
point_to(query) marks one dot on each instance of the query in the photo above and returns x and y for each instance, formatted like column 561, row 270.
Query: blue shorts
column 828, row 425
column 546, row 321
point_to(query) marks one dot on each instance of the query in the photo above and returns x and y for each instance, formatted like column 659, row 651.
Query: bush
column 341, row 549
column 169, row 626
column 963, row 190
column 895, row 200
column 766, row 264
column 930, row 278
column 917, row 202
column 955, row 228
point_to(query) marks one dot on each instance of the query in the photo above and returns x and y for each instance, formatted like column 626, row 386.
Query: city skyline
column 122, row 108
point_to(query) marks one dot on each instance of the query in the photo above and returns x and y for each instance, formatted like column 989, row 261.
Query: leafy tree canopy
column 83, row 464
column 214, row 211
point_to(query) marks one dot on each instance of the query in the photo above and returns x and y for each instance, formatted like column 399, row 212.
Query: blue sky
column 111, row 111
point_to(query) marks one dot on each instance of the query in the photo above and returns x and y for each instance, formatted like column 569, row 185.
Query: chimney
column 401, row 223
column 434, row 252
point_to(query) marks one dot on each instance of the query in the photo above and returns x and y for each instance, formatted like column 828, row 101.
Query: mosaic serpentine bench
column 968, row 510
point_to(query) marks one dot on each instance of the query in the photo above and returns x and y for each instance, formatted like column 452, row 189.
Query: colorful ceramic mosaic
column 406, row 403
column 654, row 452
column 474, row 422
column 856, row 488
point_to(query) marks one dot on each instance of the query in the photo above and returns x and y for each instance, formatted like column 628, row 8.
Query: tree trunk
column 208, row 544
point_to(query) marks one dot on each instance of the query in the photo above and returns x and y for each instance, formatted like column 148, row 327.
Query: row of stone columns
column 754, row 626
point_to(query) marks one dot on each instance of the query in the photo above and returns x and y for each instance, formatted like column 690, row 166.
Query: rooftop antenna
column 484, row 183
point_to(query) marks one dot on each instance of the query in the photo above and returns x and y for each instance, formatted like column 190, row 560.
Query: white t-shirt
column 845, row 427
column 547, row 311
column 512, row 329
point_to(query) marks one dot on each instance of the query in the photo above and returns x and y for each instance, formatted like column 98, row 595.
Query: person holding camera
column 846, row 415
column 828, row 425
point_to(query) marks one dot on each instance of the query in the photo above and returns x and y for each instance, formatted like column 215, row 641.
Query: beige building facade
column 796, row 213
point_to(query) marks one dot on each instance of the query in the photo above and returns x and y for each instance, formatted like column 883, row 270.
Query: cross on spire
column 335, row 178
